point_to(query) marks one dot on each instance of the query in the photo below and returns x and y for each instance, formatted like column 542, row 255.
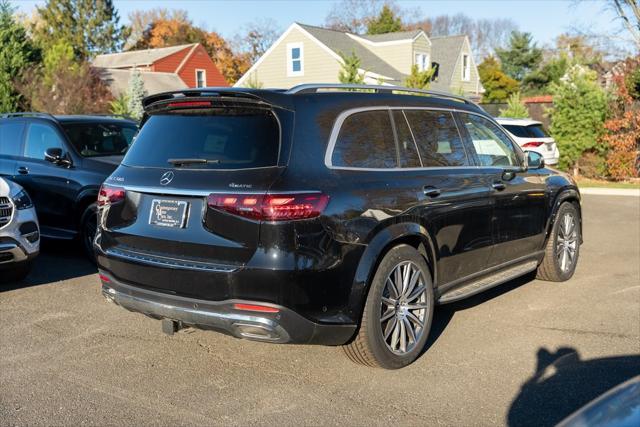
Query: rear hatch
column 184, row 196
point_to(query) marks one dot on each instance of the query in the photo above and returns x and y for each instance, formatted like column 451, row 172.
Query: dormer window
column 295, row 59
column 466, row 68
column 422, row 61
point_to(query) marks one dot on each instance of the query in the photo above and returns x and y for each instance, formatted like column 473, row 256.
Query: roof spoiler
column 240, row 96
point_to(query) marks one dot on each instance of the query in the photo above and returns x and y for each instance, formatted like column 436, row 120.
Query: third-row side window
column 425, row 138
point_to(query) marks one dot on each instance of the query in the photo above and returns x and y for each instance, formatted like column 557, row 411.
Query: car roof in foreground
column 361, row 94
column 93, row 119
column 517, row 122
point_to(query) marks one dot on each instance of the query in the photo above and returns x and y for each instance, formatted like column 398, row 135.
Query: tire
column 563, row 246
column 16, row 272
column 88, row 227
column 370, row 347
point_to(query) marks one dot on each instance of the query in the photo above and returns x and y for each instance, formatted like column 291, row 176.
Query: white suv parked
column 531, row 136
column 19, row 231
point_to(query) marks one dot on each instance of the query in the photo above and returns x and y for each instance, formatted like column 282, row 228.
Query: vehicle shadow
column 58, row 260
column 563, row 383
column 444, row 313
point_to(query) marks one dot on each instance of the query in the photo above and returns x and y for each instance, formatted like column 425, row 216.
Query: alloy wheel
column 404, row 308
column 567, row 242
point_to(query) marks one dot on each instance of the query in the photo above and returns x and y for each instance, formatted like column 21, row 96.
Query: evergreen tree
column 520, row 57
column 16, row 54
column 136, row 93
column 120, row 105
column 386, row 22
column 498, row 86
column 90, row 26
column 515, row 108
column 578, row 115
column 349, row 70
column 419, row 79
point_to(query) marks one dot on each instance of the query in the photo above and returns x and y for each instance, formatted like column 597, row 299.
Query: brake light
column 532, row 144
column 271, row 207
column 187, row 104
column 109, row 195
column 104, row 278
column 255, row 307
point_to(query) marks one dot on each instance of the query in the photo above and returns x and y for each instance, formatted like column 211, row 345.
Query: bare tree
column 256, row 37
column 354, row 15
column 629, row 12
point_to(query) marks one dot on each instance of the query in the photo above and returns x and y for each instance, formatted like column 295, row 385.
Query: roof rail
column 116, row 116
column 317, row 87
column 27, row 114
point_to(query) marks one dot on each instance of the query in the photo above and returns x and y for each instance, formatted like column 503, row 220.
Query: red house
column 162, row 69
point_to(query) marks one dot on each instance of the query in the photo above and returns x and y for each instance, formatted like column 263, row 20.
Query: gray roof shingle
column 341, row 43
column 391, row 37
column 135, row 57
column 154, row 82
column 445, row 51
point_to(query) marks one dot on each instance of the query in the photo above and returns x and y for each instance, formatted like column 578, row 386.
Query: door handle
column 430, row 191
column 498, row 186
column 23, row 170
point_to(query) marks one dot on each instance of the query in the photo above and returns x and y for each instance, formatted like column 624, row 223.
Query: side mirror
column 56, row 156
column 535, row 160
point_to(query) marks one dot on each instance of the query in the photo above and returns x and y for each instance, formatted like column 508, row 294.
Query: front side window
column 100, row 139
column 11, row 138
column 295, row 66
column 366, row 140
column 39, row 138
column 201, row 78
column 466, row 68
column 437, row 138
column 491, row 144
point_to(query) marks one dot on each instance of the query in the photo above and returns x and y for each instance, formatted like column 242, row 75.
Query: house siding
column 318, row 64
column 399, row 56
column 170, row 63
column 420, row 45
column 200, row 60
column 471, row 86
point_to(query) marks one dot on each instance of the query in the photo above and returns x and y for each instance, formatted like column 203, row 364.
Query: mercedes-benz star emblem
column 166, row 178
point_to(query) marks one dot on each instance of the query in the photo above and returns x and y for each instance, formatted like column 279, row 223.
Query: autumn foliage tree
column 176, row 31
column 498, row 86
column 622, row 130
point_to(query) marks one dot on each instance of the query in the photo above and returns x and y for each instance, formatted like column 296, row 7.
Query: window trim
column 290, row 47
column 204, row 75
column 335, row 131
column 466, row 70
column 427, row 61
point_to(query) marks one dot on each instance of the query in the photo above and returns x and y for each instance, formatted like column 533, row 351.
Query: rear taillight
column 271, row 207
column 532, row 144
column 110, row 195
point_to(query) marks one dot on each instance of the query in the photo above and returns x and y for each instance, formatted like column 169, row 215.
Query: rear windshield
column 100, row 139
column 238, row 139
column 531, row 131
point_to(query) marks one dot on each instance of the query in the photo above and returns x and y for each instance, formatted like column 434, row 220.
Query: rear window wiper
column 184, row 162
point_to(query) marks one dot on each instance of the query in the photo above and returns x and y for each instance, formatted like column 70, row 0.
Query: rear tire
column 563, row 247
column 396, row 319
column 88, row 228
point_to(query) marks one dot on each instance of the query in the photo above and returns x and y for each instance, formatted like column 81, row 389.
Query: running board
column 486, row 282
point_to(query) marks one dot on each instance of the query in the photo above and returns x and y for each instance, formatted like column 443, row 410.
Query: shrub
column 515, row 108
column 578, row 114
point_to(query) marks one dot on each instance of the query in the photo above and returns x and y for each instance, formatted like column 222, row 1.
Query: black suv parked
column 61, row 161
column 324, row 214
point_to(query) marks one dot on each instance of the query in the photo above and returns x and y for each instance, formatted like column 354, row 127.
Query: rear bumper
column 284, row 326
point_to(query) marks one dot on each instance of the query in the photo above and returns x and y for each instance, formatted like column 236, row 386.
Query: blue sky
column 545, row 19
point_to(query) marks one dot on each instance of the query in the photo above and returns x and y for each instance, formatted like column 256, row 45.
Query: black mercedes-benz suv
column 61, row 161
column 334, row 215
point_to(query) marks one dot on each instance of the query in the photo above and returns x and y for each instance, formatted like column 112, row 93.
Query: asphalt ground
column 525, row 353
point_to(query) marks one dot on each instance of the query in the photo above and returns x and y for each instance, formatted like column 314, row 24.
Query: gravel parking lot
column 525, row 353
